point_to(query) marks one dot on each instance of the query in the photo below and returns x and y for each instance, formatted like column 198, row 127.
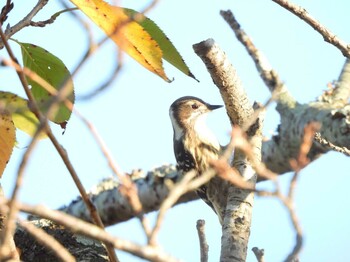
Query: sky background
column 132, row 117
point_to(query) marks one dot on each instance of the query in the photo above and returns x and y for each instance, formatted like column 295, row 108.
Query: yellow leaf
column 21, row 115
column 127, row 34
column 7, row 139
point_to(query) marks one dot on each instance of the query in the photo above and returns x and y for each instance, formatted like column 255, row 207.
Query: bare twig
column 324, row 142
column 178, row 190
column 9, row 223
column 62, row 93
column 298, row 164
column 25, row 21
column 152, row 4
column 241, row 142
column 204, row 247
column 302, row 160
column 327, row 35
column 52, row 18
column 128, row 188
column 46, row 240
column 259, row 254
column 114, row 74
column 5, row 11
column 153, row 188
column 80, row 227
column 270, row 77
column 82, row 22
column 226, row 172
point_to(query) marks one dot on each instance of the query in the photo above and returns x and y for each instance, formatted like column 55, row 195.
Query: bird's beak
column 213, row 107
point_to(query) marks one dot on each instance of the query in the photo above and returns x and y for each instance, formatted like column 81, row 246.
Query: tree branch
column 44, row 239
column 295, row 116
column 270, row 77
column 238, row 211
column 77, row 226
column 25, row 21
column 226, row 79
column 114, row 207
column 339, row 94
column 204, row 247
column 328, row 36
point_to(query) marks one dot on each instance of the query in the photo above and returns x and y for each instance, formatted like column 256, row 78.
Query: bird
column 195, row 145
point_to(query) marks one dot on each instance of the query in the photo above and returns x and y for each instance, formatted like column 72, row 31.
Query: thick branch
column 226, row 79
column 340, row 94
column 295, row 116
column 335, row 127
column 31, row 248
column 114, row 207
column 77, row 226
column 238, row 212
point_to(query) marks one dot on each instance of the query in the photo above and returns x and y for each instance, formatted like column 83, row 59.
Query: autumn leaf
column 7, row 138
column 136, row 34
column 21, row 115
column 54, row 72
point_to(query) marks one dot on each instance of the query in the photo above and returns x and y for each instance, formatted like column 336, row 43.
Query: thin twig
column 92, row 231
column 63, row 154
column 259, row 254
column 5, row 11
column 327, row 35
column 114, row 74
column 129, row 189
column 298, row 164
column 46, row 240
column 150, row 6
column 176, row 192
column 324, row 142
column 82, row 22
column 52, row 18
column 25, row 21
column 268, row 75
column 9, row 223
column 204, row 247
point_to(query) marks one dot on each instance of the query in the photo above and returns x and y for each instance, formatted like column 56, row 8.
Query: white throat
column 204, row 133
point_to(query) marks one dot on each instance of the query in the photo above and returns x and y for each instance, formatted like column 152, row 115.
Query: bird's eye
column 194, row 106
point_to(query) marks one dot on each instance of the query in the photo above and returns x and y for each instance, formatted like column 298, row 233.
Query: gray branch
column 330, row 110
column 335, row 128
column 226, row 79
column 340, row 94
column 114, row 207
column 239, row 203
column 26, row 21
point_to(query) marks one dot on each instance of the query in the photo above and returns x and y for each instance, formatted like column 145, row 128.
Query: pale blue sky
column 132, row 117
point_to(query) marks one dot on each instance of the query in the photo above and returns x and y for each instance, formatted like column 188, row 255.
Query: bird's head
column 188, row 112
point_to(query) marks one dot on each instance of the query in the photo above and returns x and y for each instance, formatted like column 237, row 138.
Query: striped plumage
column 194, row 143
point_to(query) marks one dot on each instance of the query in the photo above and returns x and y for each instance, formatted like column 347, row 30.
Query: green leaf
column 52, row 70
column 170, row 53
column 22, row 117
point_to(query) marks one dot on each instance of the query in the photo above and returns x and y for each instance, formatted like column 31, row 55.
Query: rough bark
column 114, row 207
column 239, row 202
column 32, row 250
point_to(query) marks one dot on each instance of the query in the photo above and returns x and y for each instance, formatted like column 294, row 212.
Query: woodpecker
column 194, row 143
